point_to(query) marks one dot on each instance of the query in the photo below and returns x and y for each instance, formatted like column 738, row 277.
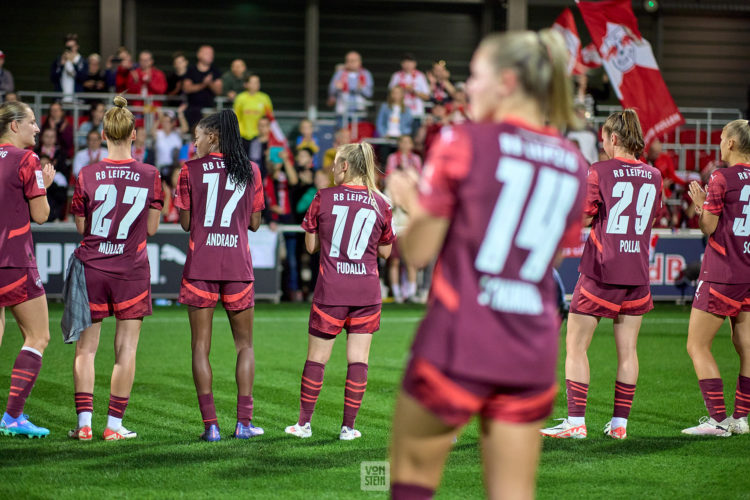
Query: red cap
column 2, row 54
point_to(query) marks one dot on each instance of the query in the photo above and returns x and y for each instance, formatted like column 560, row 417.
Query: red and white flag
column 629, row 61
column 590, row 57
column 278, row 138
column 565, row 24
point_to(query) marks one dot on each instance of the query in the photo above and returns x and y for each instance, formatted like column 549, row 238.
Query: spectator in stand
column 146, row 79
column 94, row 122
column 350, row 87
column 458, row 108
column 70, row 69
column 94, row 81
column 168, row 140
column 140, row 150
column 118, row 70
column 661, row 160
column 58, row 121
column 394, row 119
column 404, row 158
column 307, row 139
column 49, row 147
column 6, row 77
column 93, row 153
column 176, row 77
column 587, row 139
column 430, row 129
column 258, row 148
column 234, row 80
column 250, row 106
column 11, row 97
column 441, row 88
column 201, row 84
column 170, row 213
column 304, row 168
column 57, row 193
column 341, row 137
column 415, row 85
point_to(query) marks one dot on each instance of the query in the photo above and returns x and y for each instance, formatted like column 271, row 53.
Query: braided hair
column 226, row 127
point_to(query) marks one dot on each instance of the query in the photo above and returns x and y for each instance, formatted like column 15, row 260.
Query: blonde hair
column 361, row 160
column 540, row 59
column 626, row 125
column 739, row 130
column 119, row 122
column 12, row 111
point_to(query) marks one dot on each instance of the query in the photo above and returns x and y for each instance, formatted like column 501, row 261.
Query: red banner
column 629, row 61
column 565, row 24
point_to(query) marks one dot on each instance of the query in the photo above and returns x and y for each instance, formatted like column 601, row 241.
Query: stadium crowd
column 403, row 128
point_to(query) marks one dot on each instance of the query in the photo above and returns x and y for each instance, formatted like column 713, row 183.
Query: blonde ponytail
column 362, row 165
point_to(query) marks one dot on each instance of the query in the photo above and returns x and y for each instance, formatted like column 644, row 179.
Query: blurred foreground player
column 350, row 224
column 220, row 197
column 496, row 201
column 117, row 204
column 724, row 282
column 622, row 198
column 23, row 189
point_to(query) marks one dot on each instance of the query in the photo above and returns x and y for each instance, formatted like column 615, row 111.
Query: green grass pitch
column 168, row 461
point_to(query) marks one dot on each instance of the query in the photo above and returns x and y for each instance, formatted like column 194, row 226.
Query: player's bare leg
column 358, row 347
column 242, row 331
column 319, row 350
column 2, row 324
column 394, row 274
column 200, row 329
column 741, row 341
column 127, row 333
column 510, row 453
column 626, row 330
column 33, row 321
column 580, row 331
column 420, row 445
column 701, row 333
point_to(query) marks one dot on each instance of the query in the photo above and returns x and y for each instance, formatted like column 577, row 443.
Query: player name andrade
column 221, row 240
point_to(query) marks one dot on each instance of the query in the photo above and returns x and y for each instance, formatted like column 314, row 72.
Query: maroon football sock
column 354, row 391
column 713, row 395
column 742, row 397
column 22, row 378
column 312, row 382
column 623, row 399
column 244, row 410
column 84, row 402
column 577, row 394
column 208, row 410
column 402, row 491
column 117, row 406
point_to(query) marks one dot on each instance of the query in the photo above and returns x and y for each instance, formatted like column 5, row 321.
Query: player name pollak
column 630, row 246
column 118, row 173
column 631, row 172
column 221, row 240
column 349, row 268
column 108, row 248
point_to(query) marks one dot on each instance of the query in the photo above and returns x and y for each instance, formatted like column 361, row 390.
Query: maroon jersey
column 115, row 196
column 623, row 196
column 219, row 219
column 351, row 224
column 727, row 257
column 20, row 180
column 514, row 195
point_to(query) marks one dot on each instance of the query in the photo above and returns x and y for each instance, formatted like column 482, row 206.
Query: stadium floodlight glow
column 651, row 6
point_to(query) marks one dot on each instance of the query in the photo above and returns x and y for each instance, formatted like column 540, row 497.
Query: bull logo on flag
column 621, row 51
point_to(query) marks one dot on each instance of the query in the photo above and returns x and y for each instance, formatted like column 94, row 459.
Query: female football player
column 621, row 201
column 350, row 224
column 23, row 189
column 220, row 197
column 488, row 343
column 724, row 284
column 117, row 204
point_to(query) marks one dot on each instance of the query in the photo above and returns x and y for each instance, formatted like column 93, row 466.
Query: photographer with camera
column 70, row 69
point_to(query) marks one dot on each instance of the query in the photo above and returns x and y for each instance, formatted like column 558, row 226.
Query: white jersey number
column 618, row 223
column 543, row 221
column 741, row 226
column 359, row 236
column 212, row 194
column 100, row 224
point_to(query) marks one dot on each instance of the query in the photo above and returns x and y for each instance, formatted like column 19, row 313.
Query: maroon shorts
column 19, row 284
column 328, row 321
column 235, row 295
column 455, row 400
column 594, row 298
column 724, row 299
column 126, row 299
